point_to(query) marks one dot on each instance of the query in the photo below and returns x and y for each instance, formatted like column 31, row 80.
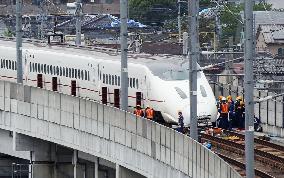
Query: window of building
column 112, row 80
column 47, row 69
column 88, row 75
column 104, row 78
column 41, row 66
column 118, row 80
column 109, row 79
column 115, row 79
column 82, row 74
column 100, row 75
column 133, row 80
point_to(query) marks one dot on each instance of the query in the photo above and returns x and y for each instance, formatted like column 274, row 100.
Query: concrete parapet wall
column 140, row 145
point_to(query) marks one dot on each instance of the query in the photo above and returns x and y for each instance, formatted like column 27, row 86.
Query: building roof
column 267, row 18
column 272, row 33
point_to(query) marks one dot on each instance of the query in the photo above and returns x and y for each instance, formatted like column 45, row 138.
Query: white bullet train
column 163, row 80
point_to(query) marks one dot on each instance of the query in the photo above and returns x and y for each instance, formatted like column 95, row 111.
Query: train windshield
column 175, row 75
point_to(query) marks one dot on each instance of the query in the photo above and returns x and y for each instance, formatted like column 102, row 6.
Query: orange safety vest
column 149, row 113
column 224, row 108
column 138, row 112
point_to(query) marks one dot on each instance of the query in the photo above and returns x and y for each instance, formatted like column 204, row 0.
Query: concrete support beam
column 122, row 172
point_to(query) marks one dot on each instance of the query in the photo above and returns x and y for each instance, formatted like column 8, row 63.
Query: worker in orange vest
column 224, row 111
column 138, row 111
column 149, row 113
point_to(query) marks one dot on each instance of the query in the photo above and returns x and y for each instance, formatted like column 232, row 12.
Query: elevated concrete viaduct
column 50, row 129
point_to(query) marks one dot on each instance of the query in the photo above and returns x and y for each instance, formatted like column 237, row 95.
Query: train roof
column 160, row 60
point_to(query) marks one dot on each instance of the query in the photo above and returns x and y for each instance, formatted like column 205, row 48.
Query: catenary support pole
column 249, row 85
column 78, row 22
column 19, row 40
column 193, row 58
column 179, row 22
column 123, row 43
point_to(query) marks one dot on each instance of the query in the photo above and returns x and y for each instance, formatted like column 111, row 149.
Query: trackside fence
column 271, row 112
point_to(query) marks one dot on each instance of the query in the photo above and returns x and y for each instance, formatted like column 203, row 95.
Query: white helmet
column 223, row 99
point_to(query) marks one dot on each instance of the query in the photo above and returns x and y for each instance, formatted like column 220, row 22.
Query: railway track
column 267, row 154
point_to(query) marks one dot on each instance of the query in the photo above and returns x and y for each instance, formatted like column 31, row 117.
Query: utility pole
column 193, row 58
column 124, row 50
column 179, row 22
column 249, row 85
column 78, row 14
column 19, row 40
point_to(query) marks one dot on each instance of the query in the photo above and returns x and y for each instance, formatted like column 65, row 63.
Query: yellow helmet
column 220, row 97
column 239, row 98
column 229, row 97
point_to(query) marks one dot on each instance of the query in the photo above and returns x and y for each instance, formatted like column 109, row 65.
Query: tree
column 231, row 18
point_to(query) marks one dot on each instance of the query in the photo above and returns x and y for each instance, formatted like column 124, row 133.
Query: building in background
column 32, row 7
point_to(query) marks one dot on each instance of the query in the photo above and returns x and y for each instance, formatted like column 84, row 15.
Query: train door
column 26, row 65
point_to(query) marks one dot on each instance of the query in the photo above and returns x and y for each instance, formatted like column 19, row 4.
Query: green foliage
column 230, row 17
column 8, row 33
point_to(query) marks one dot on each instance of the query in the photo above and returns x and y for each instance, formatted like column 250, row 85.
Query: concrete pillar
column 74, row 162
column 96, row 169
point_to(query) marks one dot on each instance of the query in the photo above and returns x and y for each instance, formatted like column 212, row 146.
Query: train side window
column 115, row 80
column 86, row 75
column 104, row 78
column 44, row 68
column 35, row 67
column 79, row 74
column 112, row 80
column 82, row 74
column 130, row 82
column 75, row 73
column 6, row 64
column 57, row 70
column 47, row 69
column 9, row 65
column 63, row 71
column 109, row 79
column 72, row 76
column 118, row 80
column 137, row 84
column 60, row 71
